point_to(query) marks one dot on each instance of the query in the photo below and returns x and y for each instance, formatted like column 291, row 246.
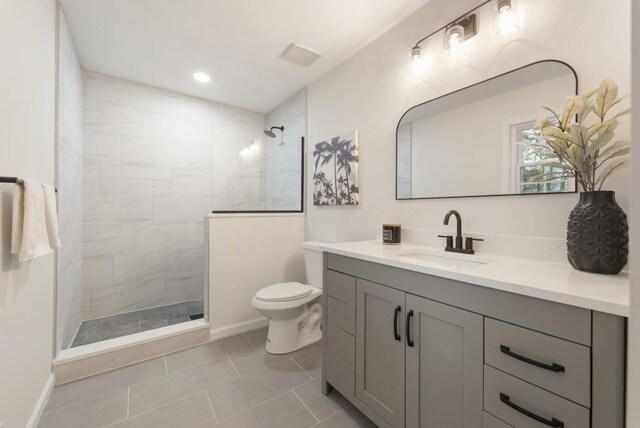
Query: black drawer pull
column 551, row 367
column 555, row 423
column 409, row 340
column 396, row 312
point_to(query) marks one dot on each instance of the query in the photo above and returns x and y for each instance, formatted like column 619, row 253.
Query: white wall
column 370, row 91
column 242, row 260
column 633, row 382
column 69, row 182
column 27, row 85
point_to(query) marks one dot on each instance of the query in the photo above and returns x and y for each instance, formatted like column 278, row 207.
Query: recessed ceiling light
column 201, row 77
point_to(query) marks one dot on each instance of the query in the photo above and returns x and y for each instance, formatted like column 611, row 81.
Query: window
column 528, row 177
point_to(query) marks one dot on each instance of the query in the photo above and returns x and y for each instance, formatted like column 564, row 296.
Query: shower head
column 270, row 133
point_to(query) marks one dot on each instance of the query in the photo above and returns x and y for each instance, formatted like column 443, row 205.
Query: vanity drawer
column 531, row 356
column 490, row 421
column 342, row 315
column 340, row 374
column 341, row 286
column 341, row 342
column 510, row 399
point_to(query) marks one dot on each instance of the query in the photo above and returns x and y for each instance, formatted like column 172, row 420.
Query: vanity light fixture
column 453, row 36
column 504, row 6
column 506, row 18
column 456, row 31
column 416, row 52
column 461, row 30
column 201, row 77
column 417, row 61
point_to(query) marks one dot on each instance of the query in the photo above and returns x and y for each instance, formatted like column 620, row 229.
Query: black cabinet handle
column 409, row 340
column 555, row 423
column 554, row 367
column 396, row 312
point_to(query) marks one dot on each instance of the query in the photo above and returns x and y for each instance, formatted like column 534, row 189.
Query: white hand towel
column 17, row 218
column 35, row 238
column 51, row 215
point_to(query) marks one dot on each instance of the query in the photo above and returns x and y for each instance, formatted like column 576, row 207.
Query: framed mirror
column 477, row 141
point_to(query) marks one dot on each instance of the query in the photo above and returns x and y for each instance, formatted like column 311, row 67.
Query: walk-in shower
column 139, row 168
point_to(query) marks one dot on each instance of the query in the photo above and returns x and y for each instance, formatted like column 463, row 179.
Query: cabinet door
column 380, row 356
column 444, row 366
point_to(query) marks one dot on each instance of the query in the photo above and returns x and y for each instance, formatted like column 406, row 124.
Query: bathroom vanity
column 415, row 338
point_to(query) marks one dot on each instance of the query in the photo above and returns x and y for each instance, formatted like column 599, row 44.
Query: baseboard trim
column 38, row 410
column 243, row 327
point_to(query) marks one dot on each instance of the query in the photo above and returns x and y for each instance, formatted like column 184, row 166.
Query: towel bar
column 14, row 180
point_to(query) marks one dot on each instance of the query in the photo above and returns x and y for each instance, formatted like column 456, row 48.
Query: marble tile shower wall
column 148, row 182
column 238, row 180
column 69, row 182
column 283, row 161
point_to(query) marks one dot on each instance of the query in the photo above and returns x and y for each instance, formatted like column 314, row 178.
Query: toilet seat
column 284, row 292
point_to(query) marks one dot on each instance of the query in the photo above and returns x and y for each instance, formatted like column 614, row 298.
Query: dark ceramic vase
column 598, row 234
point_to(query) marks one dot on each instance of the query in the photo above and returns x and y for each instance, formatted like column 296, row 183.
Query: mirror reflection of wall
column 478, row 141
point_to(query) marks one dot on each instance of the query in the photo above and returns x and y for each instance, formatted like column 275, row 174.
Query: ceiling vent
column 300, row 55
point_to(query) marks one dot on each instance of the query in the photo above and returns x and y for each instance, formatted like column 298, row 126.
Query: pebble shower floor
column 97, row 330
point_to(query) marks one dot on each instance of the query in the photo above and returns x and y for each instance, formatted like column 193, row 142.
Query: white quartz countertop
column 557, row 282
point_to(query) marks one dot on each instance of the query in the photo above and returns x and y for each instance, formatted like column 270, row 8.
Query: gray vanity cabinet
column 443, row 366
column 380, row 354
column 418, row 351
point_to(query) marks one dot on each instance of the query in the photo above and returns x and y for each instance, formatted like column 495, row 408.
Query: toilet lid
column 284, row 292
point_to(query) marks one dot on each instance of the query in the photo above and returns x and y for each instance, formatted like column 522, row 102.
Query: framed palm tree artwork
column 335, row 177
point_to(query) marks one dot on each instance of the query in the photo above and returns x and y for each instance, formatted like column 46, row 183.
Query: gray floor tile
column 209, row 352
column 322, row 406
column 347, row 418
column 191, row 412
column 258, row 338
column 255, row 358
column 258, row 357
column 161, row 391
column 261, row 397
column 234, row 397
column 102, row 384
column 284, row 411
column 94, row 413
column 311, row 362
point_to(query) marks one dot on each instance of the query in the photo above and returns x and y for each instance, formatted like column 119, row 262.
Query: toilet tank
column 313, row 262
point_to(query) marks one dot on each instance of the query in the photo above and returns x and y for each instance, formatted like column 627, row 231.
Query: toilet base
column 290, row 335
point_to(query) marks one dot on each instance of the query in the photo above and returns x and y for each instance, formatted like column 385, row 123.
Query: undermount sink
column 444, row 259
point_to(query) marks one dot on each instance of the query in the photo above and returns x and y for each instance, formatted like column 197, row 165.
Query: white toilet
column 294, row 309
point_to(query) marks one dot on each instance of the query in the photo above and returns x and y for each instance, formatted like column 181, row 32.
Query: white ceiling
column 238, row 42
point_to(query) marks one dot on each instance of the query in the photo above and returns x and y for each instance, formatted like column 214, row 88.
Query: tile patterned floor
column 92, row 331
column 229, row 383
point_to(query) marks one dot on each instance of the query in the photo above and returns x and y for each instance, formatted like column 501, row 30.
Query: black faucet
column 458, row 247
